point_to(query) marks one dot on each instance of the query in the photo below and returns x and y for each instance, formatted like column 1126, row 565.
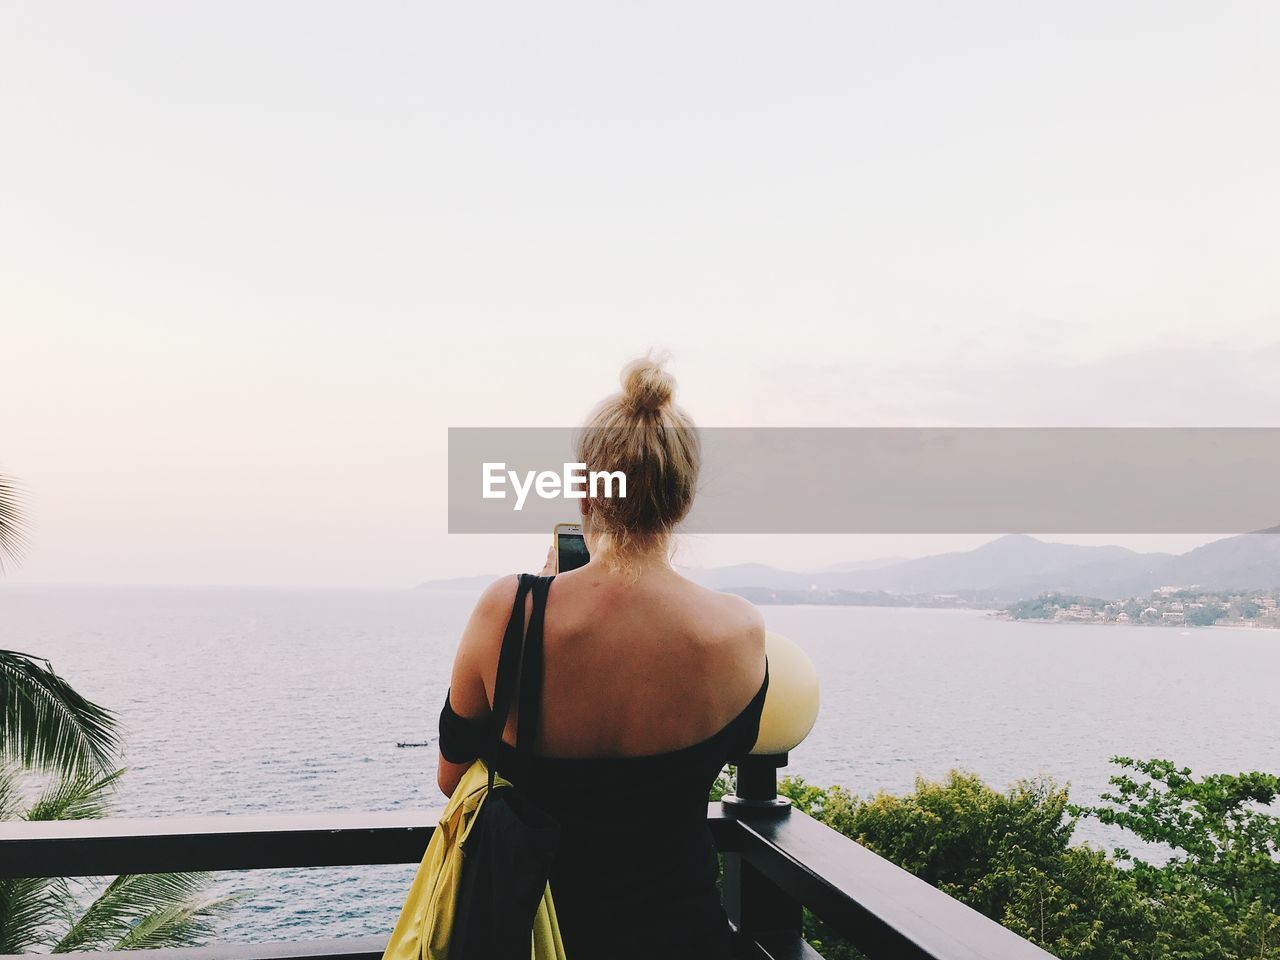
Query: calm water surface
column 272, row 701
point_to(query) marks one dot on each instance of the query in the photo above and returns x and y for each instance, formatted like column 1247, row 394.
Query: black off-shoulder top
column 635, row 873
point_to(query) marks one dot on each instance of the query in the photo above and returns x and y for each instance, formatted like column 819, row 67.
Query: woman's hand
column 549, row 568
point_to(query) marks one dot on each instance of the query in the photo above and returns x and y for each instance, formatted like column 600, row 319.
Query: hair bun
column 646, row 385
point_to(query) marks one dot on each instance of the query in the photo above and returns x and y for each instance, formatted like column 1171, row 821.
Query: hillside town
column 1168, row 607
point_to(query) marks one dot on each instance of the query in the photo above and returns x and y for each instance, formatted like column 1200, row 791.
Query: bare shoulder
column 746, row 616
column 739, row 620
column 741, row 640
column 476, row 661
column 498, row 597
column 489, row 617
column 497, row 600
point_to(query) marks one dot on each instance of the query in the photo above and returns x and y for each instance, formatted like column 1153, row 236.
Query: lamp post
column 755, row 905
column 790, row 710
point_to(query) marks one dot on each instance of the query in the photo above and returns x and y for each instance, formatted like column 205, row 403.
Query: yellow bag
column 426, row 920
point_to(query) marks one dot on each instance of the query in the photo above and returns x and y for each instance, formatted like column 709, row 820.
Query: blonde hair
column 642, row 433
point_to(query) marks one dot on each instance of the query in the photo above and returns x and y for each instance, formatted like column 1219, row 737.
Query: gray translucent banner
column 908, row 480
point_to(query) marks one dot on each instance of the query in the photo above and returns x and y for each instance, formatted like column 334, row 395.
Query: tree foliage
column 46, row 724
column 1221, row 880
column 13, row 538
column 1010, row 856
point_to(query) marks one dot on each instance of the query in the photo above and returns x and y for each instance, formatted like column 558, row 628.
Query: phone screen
column 571, row 551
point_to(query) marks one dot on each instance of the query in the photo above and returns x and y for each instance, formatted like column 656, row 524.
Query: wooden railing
column 777, row 861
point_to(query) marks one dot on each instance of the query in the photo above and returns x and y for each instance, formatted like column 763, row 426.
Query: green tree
column 1245, row 609
column 1224, row 844
column 1001, row 853
column 1041, row 608
column 1080, row 907
column 1206, row 615
column 1010, row 856
column 961, row 836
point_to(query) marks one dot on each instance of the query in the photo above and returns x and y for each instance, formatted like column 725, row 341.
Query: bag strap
column 529, row 716
column 520, row 660
column 504, row 685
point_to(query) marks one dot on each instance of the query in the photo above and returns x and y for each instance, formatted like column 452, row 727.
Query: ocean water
column 237, row 701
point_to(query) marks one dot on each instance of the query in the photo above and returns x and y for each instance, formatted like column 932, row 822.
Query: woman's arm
column 475, row 667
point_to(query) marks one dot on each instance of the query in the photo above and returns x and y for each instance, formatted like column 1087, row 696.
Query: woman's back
column 642, row 667
column 650, row 687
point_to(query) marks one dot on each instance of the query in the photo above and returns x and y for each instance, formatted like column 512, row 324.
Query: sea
column 235, row 701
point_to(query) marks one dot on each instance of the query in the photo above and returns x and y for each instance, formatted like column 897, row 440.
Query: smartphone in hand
column 571, row 547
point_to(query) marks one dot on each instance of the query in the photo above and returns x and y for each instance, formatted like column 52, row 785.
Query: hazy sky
column 255, row 258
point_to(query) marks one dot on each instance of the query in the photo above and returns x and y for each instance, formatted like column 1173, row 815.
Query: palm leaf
column 188, row 926
column 81, row 796
column 45, row 723
column 29, row 906
column 10, row 792
column 13, row 541
column 145, row 911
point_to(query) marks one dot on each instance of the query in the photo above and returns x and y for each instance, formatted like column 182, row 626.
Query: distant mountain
column 851, row 566
column 749, row 575
column 1010, row 568
column 1018, row 566
column 1012, row 564
column 1247, row 562
column 764, row 576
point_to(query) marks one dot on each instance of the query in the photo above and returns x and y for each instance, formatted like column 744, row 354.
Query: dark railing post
column 757, row 786
column 756, row 906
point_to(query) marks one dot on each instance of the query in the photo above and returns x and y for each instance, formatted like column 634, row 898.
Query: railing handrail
column 885, row 910
column 240, row 823
column 108, row 847
column 875, row 903
column 338, row 948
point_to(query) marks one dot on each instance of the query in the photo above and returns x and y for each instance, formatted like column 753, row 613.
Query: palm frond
column 186, row 926
column 13, row 539
column 45, row 723
column 80, row 796
column 145, row 911
column 10, row 792
column 29, row 907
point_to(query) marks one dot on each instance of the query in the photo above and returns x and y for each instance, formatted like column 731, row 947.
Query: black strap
column 504, row 685
column 520, row 659
column 530, row 713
